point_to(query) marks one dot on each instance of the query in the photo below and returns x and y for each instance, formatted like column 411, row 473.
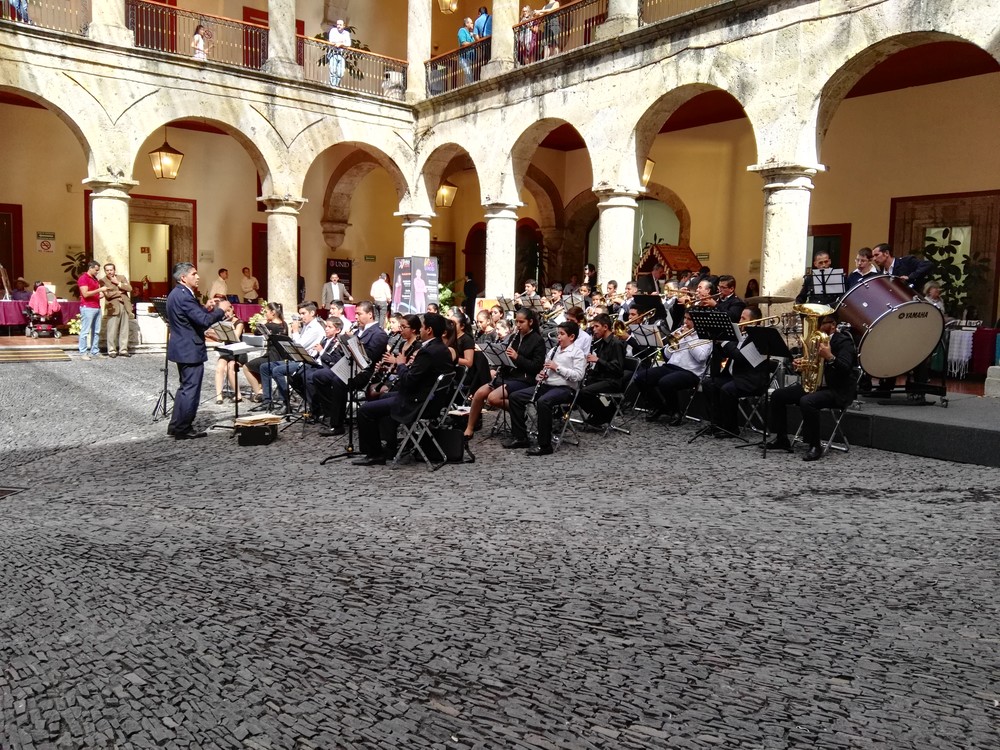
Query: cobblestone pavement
column 635, row 592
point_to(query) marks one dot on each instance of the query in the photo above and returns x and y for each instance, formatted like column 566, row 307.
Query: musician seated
column 316, row 379
column 728, row 302
column 530, row 293
column 560, row 376
column 527, row 352
column 838, row 389
column 375, row 342
column 684, row 368
column 585, row 292
column 307, row 332
column 736, row 378
column 485, row 332
column 583, row 339
column 605, row 372
column 633, row 348
column 631, row 289
column 395, row 362
column 821, row 259
column 378, row 421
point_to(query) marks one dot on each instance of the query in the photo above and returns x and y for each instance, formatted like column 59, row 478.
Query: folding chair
column 843, row 445
column 618, row 420
column 427, row 418
column 565, row 411
column 752, row 407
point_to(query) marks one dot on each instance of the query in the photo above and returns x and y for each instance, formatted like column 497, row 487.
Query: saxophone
column 811, row 365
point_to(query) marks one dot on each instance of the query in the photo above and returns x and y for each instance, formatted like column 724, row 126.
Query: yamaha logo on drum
column 923, row 314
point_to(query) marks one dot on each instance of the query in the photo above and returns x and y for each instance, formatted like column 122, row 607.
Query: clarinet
column 543, row 375
column 382, row 371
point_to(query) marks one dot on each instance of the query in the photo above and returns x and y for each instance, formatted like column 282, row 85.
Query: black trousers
column 549, row 396
column 590, row 399
column 810, row 405
column 723, row 394
column 376, row 425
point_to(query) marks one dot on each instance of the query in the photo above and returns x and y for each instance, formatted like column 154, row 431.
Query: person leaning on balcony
column 198, row 43
column 340, row 38
column 484, row 24
column 20, row 10
column 527, row 36
column 466, row 39
column 550, row 32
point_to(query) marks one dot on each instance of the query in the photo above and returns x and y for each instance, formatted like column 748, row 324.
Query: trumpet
column 621, row 328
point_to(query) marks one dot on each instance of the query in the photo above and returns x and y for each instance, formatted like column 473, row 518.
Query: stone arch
column 443, row 160
column 669, row 198
column 523, row 150
column 653, row 118
column 345, row 179
column 547, row 197
column 581, row 214
column 71, row 121
column 835, row 89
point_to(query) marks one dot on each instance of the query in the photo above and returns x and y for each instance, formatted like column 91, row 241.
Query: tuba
column 811, row 366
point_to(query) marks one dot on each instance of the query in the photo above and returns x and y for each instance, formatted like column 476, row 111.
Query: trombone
column 620, row 328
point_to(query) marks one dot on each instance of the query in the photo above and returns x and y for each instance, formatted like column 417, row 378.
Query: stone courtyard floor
column 634, row 592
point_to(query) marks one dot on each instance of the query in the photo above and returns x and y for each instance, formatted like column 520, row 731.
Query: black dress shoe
column 510, row 444
column 332, row 431
column 370, row 461
column 541, row 450
column 654, row 415
column 189, row 435
column 815, row 454
column 780, row 444
column 677, row 421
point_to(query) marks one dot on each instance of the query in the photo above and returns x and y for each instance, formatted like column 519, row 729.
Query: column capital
column 110, row 187
column 787, row 175
column 415, row 220
column 616, row 195
column 334, row 232
column 502, row 210
column 282, row 204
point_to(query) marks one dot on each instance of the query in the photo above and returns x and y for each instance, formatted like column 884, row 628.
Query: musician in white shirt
column 684, row 368
column 558, row 381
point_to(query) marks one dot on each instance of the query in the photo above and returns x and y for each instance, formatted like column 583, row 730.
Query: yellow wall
column 152, row 265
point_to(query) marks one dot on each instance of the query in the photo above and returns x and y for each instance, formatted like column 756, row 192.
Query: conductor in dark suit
column 378, row 420
column 188, row 321
column 839, row 387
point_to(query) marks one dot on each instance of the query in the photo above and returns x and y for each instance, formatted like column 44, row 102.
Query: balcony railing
column 169, row 29
column 353, row 69
column 60, row 15
column 457, row 68
column 651, row 11
column 570, row 27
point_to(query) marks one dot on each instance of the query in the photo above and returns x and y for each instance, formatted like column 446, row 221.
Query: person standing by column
column 91, row 291
column 118, row 308
column 188, row 321
column 249, row 286
column 381, row 296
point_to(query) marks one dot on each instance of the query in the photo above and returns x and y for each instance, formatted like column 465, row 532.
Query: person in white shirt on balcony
column 198, row 43
column 340, row 38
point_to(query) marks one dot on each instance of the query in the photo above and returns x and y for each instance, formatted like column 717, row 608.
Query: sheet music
column 225, row 331
column 751, row 354
column 342, row 369
column 239, row 347
column 354, row 348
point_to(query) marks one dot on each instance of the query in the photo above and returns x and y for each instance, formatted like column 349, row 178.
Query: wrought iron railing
column 651, row 11
column 168, row 29
column 457, row 68
column 353, row 69
column 549, row 34
column 60, row 15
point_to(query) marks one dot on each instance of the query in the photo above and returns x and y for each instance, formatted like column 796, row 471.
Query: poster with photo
column 414, row 284
column 401, row 286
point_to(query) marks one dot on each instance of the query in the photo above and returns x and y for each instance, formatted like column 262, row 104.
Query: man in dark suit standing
column 188, row 321
column 839, row 387
column 378, row 420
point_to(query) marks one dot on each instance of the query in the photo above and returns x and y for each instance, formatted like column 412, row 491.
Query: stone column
column 418, row 49
column 107, row 23
column 109, row 221
column 616, row 228
column 281, row 40
column 786, row 223
column 282, row 248
column 416, row 235
column 505, row 15
column 501, row 250
column 623, row 17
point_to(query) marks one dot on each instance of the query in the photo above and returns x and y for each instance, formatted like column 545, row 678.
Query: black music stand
column 165, row 397
column 646, row 302
column 227, row 334
column 770, row 343
column 496, row 355
column 711, row 325
column 289, row 351
column 355, row 355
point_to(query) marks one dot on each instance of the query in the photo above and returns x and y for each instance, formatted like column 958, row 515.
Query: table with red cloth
column 11, row 312
column 984, row 350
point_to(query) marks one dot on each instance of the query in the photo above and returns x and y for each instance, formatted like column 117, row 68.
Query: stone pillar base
column 495, row 68
column 615, row 27
column 285, row 68
column 120, row 36
column 992, row 385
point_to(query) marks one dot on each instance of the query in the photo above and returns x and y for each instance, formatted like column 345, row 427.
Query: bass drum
column 898, row 328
